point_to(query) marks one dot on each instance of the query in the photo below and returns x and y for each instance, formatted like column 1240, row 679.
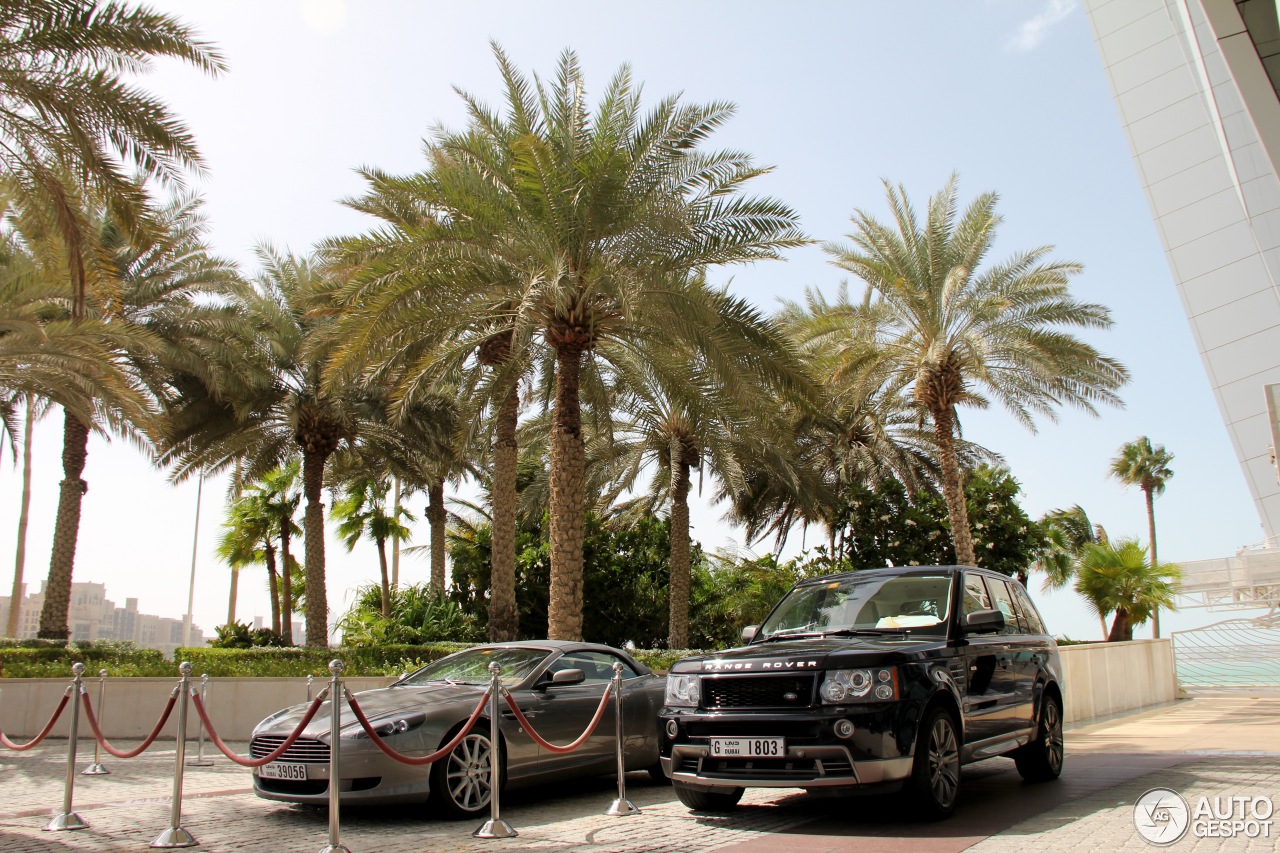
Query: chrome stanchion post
column 310, row 680
column 69, row 819
column 97, row 768
column 621, row 806
column 495, row 826
column 335, row 756
column 175, row 835
column 200, row 760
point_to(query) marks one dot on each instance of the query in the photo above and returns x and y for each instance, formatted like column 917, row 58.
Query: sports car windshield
column 472, row 666
column 903, row 604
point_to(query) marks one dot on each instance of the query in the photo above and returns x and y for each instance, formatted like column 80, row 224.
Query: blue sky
column 836, row 96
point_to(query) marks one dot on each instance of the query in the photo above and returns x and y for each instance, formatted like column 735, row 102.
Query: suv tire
column 701, row 800
column 934, row 786
column 1041, row 760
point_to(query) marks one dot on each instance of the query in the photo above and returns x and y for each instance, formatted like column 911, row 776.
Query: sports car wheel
column 460, row 782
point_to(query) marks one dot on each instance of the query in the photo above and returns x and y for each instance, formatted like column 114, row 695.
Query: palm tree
column 68, row 98
column 279, row 495
column 363, row 511
column 865, row 429
column 35, row 409
column 247, row 540
column 267, row 401
column 604, row 216
column 1140, row 464
column 955, row 334
column 1117, row 578
column 676, row 414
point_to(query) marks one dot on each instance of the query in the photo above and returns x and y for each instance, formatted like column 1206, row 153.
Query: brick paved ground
column 1090, row 809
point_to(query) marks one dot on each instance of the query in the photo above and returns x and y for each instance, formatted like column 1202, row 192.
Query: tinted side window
column 1002, row 600
column 975, row 596
column 596, row 666
column 1029, row 613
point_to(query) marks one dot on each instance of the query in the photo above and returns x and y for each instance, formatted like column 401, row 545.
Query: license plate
column 749, row 747
column 283, row 771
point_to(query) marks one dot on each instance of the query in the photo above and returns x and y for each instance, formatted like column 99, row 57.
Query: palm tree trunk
column 503, row 617
column 1151, row 535
column 317, row 612
column 568, row 486
column 269, row 554
column 286, row 588
column 24, row 513
column 436, row 520
column 386, row 578
column 395, row 545
column 57, row 593
column 678, row 595
column 1120, row 630
column 231, row 597
column 953, row 486
column 1102, row 621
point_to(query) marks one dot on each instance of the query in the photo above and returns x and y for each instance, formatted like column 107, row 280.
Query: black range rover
column 870, row 681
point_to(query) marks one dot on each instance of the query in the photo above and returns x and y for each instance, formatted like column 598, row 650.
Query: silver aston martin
column 557, row 685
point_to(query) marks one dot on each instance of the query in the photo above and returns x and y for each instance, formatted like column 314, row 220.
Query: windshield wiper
column 865, row 632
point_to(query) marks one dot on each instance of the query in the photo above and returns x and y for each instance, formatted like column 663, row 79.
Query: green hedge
column 53, row 659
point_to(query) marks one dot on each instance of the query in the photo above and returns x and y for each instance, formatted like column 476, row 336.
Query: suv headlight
column 682, row 691
column 859, row 685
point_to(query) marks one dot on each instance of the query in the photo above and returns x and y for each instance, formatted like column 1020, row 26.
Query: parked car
column 557, row 685
column 870, row 681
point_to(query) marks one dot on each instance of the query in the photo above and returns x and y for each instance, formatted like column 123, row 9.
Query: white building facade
column 1194, row 82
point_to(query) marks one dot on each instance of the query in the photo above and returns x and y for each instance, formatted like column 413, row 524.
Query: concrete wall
column 133, row 705
column 1101, row 678
column 1106, row 678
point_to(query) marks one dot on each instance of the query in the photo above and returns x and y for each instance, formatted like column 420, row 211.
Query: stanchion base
column 95, row 770
column 174, row 836
column 341, row 848
column 495, row 829
column 622, row 807
column 66, row 821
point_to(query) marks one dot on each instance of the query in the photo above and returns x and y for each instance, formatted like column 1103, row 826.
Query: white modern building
column 1196, row 85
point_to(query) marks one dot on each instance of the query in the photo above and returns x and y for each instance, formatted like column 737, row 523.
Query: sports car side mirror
column 563, row 678
column 984, row 622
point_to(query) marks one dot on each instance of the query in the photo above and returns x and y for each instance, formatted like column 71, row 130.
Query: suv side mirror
column 984, row 622
column 749, row 633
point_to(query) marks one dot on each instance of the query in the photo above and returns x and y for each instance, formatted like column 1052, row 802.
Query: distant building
column 95, row 617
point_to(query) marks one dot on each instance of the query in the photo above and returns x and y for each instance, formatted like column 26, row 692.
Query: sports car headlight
column 387, row 726
column 859, row 685
column 682, row 691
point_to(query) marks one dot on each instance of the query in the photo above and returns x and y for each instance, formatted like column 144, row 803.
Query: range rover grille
column 303, row 751
column 758, row 691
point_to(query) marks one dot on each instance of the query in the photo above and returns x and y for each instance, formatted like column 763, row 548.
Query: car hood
column 444, row 700
column 812, row 653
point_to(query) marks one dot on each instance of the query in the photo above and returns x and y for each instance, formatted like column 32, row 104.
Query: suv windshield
column 915, row 604
column 472, row 666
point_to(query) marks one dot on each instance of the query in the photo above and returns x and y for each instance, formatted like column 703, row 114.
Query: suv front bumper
column 803, row 767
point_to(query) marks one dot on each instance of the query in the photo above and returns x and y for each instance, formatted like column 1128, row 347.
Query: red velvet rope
column 269, row 757
column 133, row 753
column 44, row 733
column 425, row 759
column 551, row 747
